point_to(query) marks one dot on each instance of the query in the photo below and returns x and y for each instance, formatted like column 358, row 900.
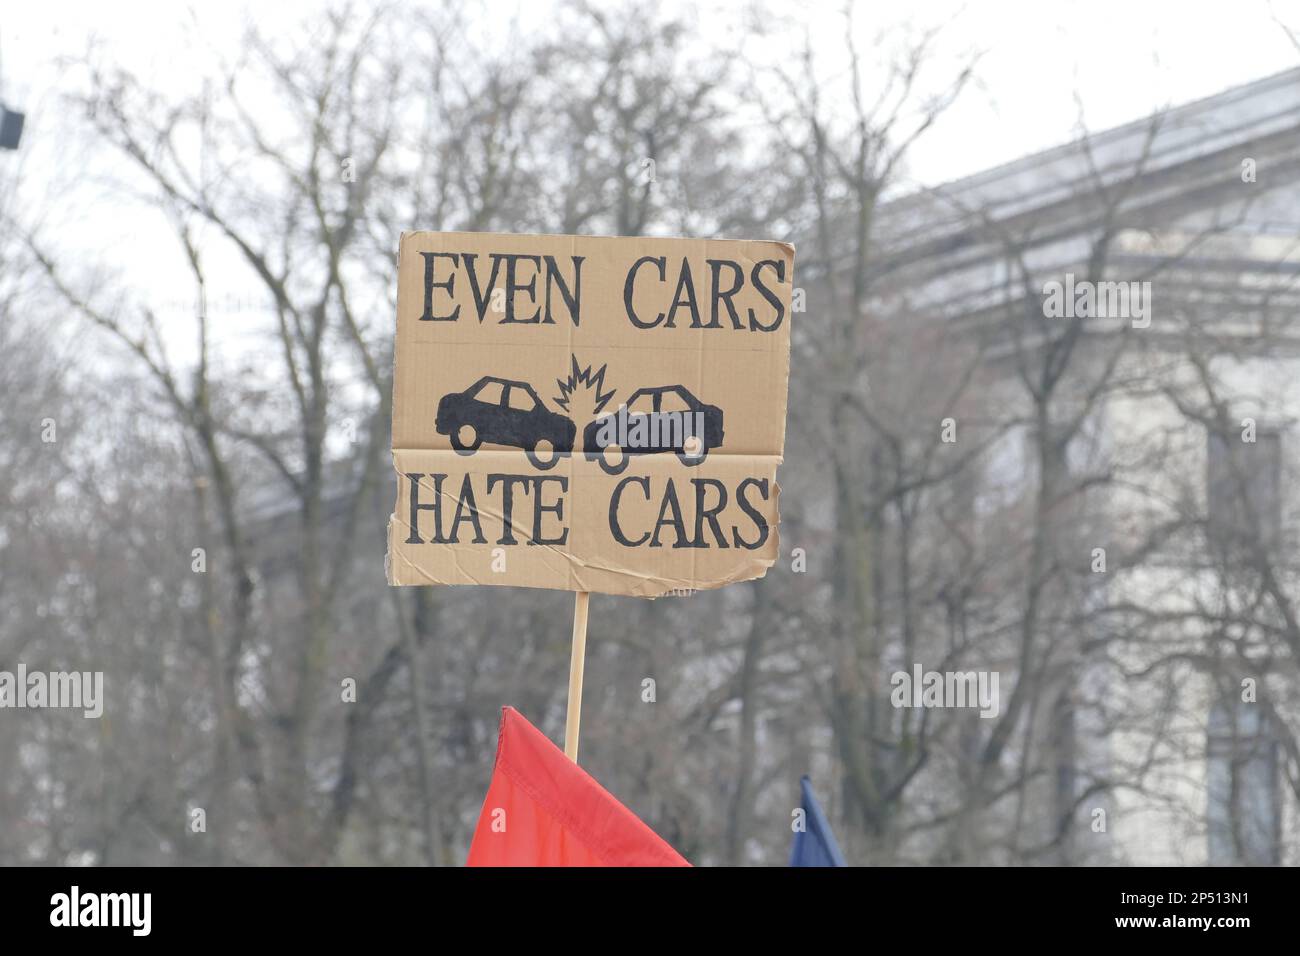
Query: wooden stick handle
column 576, row 661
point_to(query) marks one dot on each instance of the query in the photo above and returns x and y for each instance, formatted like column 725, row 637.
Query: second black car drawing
column 664, row 418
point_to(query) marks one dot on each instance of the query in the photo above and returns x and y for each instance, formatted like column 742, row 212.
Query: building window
column 1245, row 800
column 1242, row 487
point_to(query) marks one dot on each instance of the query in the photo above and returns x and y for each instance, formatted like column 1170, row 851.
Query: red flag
column 542, row 809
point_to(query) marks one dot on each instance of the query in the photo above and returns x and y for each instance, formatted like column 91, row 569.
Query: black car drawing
column 665, row 426
column 504, row 412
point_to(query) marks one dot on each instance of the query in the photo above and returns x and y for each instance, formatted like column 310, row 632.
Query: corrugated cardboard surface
column 639, row 532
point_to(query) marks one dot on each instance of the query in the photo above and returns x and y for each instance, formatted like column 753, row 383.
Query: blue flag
column 815, row 845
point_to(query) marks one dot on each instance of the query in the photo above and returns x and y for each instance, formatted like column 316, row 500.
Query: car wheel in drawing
column 694, row 451
column 466, row 439
column 543, row 454
column 613, row 460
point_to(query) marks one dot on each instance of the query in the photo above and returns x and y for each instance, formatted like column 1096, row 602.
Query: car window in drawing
column 486, row 391
column 641, row 403
column 521, row 398
column 673, row 400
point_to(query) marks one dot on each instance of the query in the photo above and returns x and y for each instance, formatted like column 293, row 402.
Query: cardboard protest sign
column 591, row 414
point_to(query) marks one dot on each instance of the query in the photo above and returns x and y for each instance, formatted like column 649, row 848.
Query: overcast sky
column 1123, row 59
